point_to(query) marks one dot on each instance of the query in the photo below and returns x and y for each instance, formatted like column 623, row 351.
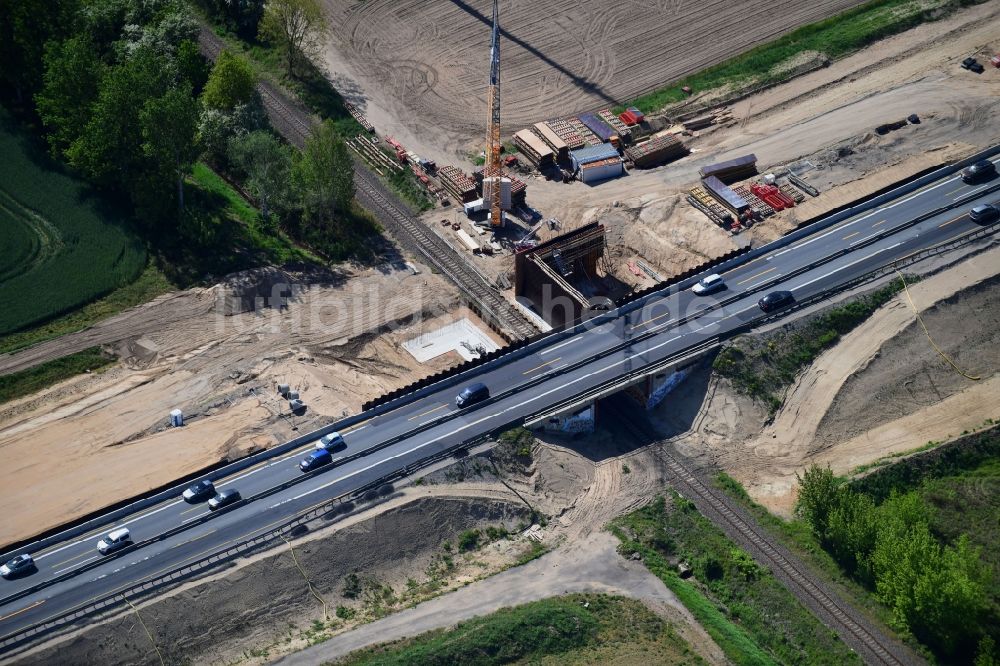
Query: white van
column 709, row 285
column 114, row 540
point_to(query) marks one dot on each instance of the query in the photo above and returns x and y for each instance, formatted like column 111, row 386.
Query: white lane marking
column 78, row 564
column 200, row 515
column 559, row 346
column 838, row 228
column 117, row 525
column 837, row 270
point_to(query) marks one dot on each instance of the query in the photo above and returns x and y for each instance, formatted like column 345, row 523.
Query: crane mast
column 493, row 146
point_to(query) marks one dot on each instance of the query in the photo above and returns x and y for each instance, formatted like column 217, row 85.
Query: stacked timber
column 656, row 151
column 790, row 191
column 534, row 149
column 457, row 184
column 589, row 138
column 567, row 132
column 360, row 117
column 731, row 171
column 615, row 123
column 553, row 141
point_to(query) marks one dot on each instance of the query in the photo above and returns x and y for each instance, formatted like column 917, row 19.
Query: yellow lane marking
column 202, row 536
column 429, row 411
column 528, row 372
column 26, row 608
column 194, row 508
column 353, row 427
column 651, row 320
column 851, row 235
column 955, row 219
column 754, row 277
column 879, row 222
column 954, row 191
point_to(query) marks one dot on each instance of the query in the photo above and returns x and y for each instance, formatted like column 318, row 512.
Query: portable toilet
column 176, row 418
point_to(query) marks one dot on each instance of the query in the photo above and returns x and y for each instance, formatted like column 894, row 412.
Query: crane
column 493, row 146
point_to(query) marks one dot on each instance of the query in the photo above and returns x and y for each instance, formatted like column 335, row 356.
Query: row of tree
column 124, row 97
column 935, row 590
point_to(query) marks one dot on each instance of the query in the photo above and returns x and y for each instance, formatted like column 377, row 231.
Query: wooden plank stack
column 757, row 205
column 656, row 151
column 457, row 184
column 624, row 132
column 567, row 133
column 589, row 138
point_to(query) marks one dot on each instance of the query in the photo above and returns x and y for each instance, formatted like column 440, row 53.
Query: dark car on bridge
column 984, row 214
column 315, row 460
column 980, row 171
column 225, row 498
column 472, row 394
column 20, row 565
column 199, row 492
column 775, row 301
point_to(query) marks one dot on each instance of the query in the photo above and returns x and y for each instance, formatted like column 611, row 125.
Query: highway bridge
column 72, row 575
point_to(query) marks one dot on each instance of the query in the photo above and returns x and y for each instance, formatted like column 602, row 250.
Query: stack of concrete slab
column 534, row 149
column 656, row 151
column 589, row 138
column 567, row 132
column 616, row 124
column 726, row 196
column 553, row 141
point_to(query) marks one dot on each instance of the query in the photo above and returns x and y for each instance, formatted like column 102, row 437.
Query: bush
column 468, row 540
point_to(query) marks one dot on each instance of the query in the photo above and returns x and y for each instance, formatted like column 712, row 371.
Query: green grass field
column 26, row 382
column 834, row 37
column 569, row 630
column 61, row 245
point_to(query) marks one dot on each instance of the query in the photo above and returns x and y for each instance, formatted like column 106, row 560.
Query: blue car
column 315, row 460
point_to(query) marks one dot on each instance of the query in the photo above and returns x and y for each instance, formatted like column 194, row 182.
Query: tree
column 169, row 128
column 325, row 177
column 817, row 498
column 191, row 66
column 267, row 164
column 297, row 26
column 71, row 81
column 26, row 26
column 231, row 82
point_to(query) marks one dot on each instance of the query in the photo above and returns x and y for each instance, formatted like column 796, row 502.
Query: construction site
column 560, row 203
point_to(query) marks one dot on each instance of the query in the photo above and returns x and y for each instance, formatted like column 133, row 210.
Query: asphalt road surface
column 552, row 374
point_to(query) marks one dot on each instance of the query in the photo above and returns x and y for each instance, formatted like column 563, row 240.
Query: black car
column 18, row 566
column 981, row 170
column 984, row 214
column 472, row 394
column 199, row 492
column 225, row 498
column 776, row 300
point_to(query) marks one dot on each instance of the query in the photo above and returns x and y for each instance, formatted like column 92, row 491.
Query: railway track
column 296, row 125
column 867, row 641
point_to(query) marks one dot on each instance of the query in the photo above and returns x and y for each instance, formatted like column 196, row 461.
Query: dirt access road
column 419, row 69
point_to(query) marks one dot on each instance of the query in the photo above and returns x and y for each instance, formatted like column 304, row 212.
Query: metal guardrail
column 383, row 485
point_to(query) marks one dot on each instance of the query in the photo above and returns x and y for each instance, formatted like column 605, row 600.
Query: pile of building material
column 714, row 118
column 792, row 193
column 631, row 116
column 553, row 141
column 517, row 193
column 567, row 132
column 615, row 123
column 360, row 117
column 534, row 149
column 700, row 199
column 369, row 151
column 772, row 196
column 656, row 151
column 731, row 171
column 589, row 138
column 604, row 131
column 596, row 163
column 727, row 196
column 802, row 185
column 760, row 208
column 457, row 184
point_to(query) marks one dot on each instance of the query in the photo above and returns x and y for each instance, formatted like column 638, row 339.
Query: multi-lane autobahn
column 527, row 384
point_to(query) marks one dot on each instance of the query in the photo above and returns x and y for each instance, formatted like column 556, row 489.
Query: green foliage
column 169, row 127
column 26, row 382
column 61, row 246
column 835, row 37
column 579, row 628
column 345, row 613
column 469, row 540
column 266, row 162
column 407, row 186
column 231, row 82
column 26, row 27
column 518, row 440
column 762, row 368
column 759, row 621
column 296, row 26
column 71, row 80
column 352, row 586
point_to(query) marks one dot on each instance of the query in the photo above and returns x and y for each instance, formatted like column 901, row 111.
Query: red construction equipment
column 772, row 196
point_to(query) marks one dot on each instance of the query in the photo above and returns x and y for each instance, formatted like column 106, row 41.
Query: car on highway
column 18, row 566
column 331, row 442
column 980, row 171
column 984, row 214
column 709, row 285
column 114, row 540
column 315, row 460
column 775, row 301
column 224, row 498
column 199, row 492
column 472, row 394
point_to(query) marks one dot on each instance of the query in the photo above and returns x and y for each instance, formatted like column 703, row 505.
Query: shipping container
column 596, row 172
column 592, row 154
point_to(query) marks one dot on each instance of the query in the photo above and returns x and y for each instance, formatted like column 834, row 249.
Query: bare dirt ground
column 419, row 69
column 881, row 390
column 826, row 117
column 338, row 342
